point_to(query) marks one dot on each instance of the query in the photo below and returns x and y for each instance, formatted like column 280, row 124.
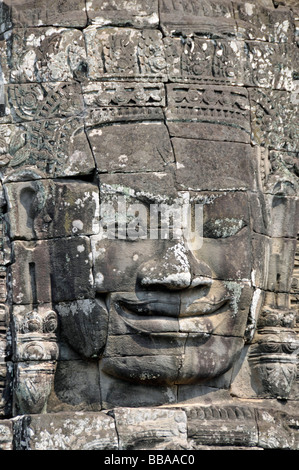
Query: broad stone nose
column 172, row 270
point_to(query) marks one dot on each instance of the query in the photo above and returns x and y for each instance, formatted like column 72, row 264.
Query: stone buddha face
column 178, row 315
column 179, row 291
column 136, row 147
column 157, row 250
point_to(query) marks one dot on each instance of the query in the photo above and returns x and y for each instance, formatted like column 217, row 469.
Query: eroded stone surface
column 6, row 435
column 132, row 147
column 148, row 225
column 47, row 148
column 78, row 431
column 43, row 54
column 48, row 209
column 234, row 173
column 125, row 54
column 138, row 429
column 36, row 13
column 273, row 119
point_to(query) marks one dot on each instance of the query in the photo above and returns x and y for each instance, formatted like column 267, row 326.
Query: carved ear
column 27, row 207
column 28, row 201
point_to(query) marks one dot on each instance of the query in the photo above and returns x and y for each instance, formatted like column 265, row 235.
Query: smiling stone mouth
column 151, row 318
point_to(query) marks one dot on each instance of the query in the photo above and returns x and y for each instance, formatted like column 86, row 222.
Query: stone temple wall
column 116, row 332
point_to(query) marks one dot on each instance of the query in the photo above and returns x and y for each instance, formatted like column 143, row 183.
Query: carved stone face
column 178, row 320
column 178, row 309
column 167, row 104
column 163, row 310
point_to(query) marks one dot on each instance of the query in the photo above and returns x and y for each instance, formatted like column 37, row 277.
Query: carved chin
column 201, row 360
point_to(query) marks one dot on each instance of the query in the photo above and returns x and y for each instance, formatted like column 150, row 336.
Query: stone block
column 123, row 94
column 222, row 425
column 34, row 333
column 84, row 325
column 274, row 256
column 131, row 147
column 277, row 430
column 32, row 386
column 122, row 323
column 5, row 17
column 56, row 270
column 76, row 387
column 31, row 273
column 224, row 214
column 47, row 148
column 232, row 165
column 228, row 258
column 6, row 435
column 119, row 275
column 39, row 101
column 135, row 345
column 156, row 187
column 6, row 369
column 209, row 19
column 47, row 209
column 270, row 65
column 71, row 266
column 116, row 393
column 68, row 431
column 139, row 13
column 125, row 54
column 273, row 117
column 263, row 23
column 43, row 55
column 243, row 384
column 231, row 62
column 199, row 111
column 283, row 213
column 158, row 370
column 115, row 114
column 140, row 263
column 31, row 13
column 198, row 60
column 282, row 253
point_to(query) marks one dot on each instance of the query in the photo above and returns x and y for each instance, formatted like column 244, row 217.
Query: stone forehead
column 194, row 165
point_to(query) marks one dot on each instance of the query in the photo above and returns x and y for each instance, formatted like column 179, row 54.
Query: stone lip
column 155, row 317
column 204, row 306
